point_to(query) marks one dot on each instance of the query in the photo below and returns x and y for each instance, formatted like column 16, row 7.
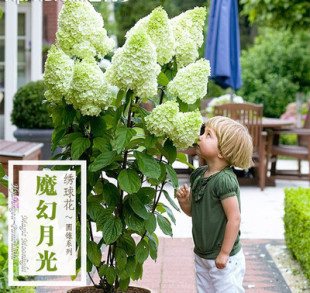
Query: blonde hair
column 234, row 141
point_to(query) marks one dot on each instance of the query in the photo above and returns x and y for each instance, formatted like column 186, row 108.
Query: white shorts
column 210, row 279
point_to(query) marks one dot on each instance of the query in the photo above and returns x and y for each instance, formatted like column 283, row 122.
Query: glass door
column 23, row 53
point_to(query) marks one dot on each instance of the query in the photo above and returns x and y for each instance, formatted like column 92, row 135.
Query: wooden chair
column 251, row 116
column 301, row 151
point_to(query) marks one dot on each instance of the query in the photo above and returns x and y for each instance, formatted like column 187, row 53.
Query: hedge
column 297, row 225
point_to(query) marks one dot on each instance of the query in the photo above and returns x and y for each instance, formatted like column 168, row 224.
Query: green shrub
column 275, row 68
column 29, row 111
column 297, row 225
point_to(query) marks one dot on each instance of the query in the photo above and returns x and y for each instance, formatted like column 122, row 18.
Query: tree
column 292, row 14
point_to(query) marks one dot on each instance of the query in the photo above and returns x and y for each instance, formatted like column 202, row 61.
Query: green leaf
column 146, row 194
column 79, row 146
column 120, row 95
column 164, row 225
column 121, row 258
column 148, row 165
column 69, row 115
column 69, row 138
column 170, row 213
column 57, row 135
column 171, row 151
column 103, row 270
column 3, row 200
column 89, row 265
column 172, row 175
column 111, row 194
column 112, row 229
column 98, row 126
column 150, row 223
column 2, row 172
column 132, row 221
column 102, row 161
column 124, row 283
column 135, row 143
column 94, row 210
column 4, row 181
column 153, row 248
column 123, row 137
column 142, row 251
column 162, row 175
column 138, row 207
column 170, row 200
column 129, row 180
column 163, row 79
column 102, row 144
column 150, row 141
column 1, row 12
column 127, row 243
column 138, row 272
column 181, row 157
column 93, row 253
column 129, row 269
column 111, row 275
column 103, row 217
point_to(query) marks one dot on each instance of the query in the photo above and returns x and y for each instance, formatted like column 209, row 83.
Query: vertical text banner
column 47, row 211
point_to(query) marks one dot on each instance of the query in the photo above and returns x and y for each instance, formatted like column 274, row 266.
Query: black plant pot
column 37, row 135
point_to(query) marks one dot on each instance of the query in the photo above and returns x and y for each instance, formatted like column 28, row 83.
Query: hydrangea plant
column 98, row 117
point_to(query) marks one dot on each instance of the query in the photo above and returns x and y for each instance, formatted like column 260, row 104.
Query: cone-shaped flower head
column 135, row 65
column 191, row 81
column 159, row 29
column 57, row 75
column 163, row 118
column 186, row 129
column 89, row 89
column 188, row 33
column 80, row 31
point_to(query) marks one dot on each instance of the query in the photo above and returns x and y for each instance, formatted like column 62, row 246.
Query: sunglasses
column 202, row 129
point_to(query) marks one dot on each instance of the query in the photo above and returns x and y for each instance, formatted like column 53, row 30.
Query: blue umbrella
column 223, row 43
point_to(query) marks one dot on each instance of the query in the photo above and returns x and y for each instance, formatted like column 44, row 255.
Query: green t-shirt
column 208, row 216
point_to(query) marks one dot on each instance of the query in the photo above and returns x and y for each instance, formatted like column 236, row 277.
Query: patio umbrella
column 223, row 43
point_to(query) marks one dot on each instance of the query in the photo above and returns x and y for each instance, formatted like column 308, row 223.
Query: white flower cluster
column 159, row 29
column 188, row 33
column 80, row 31
column 163, row 118
column 182, row 128
column 187, row 129
column 190, row 83
column 135, row 65
column 57, row 75
column 89, row 88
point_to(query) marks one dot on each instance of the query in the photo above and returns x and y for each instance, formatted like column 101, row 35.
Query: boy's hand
column 183, row 194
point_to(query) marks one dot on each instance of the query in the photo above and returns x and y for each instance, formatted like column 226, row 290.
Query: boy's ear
column 220, row 156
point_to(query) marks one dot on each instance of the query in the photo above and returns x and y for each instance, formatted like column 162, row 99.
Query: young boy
column 214, row 205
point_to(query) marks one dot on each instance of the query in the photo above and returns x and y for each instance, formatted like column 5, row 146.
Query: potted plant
column 30, row 115
column 129, row 151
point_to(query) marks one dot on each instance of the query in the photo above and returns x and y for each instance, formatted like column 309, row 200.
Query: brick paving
column 174, row 270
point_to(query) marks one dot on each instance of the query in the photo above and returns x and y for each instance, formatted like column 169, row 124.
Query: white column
column 36, row 39
column 10, row 75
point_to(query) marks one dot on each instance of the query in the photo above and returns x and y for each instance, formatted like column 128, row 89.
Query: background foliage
column 275, row 68
column 282, row 14
column 297, row 225
column 29, row 111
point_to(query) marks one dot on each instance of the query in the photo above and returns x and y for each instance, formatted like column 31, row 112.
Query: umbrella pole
column 231, row 92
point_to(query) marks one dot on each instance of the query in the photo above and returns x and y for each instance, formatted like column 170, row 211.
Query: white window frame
column 26, row 9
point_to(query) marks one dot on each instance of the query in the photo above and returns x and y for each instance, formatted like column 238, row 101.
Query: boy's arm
column 231, row 209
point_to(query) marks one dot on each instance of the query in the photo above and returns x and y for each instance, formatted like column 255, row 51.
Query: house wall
column 51, row 10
